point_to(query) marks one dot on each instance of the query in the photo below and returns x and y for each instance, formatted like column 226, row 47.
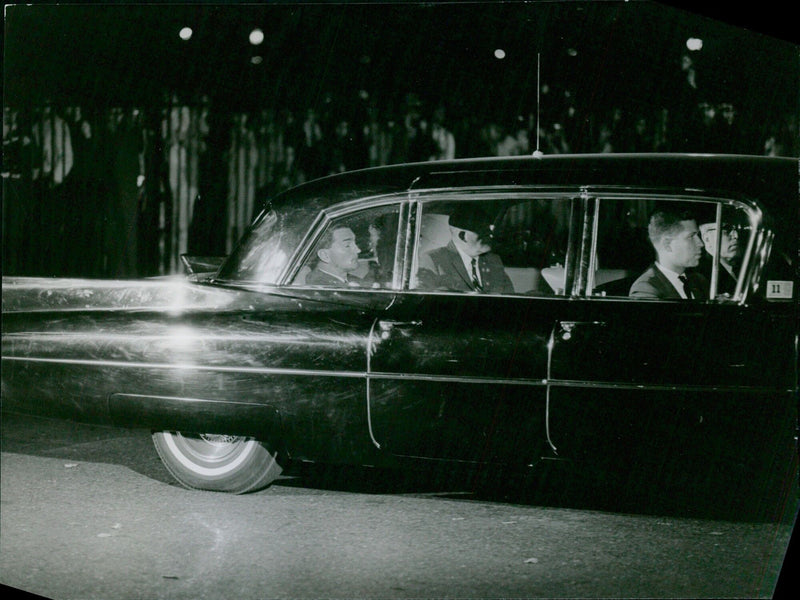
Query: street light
column 256, row 37
column 694, row 43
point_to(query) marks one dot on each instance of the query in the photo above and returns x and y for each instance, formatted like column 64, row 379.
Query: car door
column 459, row 375
column 663, row 385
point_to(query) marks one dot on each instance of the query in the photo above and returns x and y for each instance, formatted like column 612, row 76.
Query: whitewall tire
column 219, row 463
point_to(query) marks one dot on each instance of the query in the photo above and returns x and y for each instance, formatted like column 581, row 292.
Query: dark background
column 174, row 146
column 609, row 53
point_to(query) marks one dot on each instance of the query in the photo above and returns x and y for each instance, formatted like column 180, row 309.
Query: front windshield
column 263, row 252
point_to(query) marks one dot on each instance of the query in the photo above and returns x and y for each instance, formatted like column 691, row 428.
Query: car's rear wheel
column 219, row 463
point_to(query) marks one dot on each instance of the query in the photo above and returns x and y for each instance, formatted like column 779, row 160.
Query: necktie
column 476, row 282
column 686, row 287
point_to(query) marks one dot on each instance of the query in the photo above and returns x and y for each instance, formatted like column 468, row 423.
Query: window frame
column 583, row 232
column 746, row 275
column 421, row 198
column 331, row 214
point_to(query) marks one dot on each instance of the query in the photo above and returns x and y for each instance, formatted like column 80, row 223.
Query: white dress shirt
column 674, row 279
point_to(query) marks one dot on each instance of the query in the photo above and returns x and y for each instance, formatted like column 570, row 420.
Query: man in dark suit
column 337, row 256
column 467, row 263
column 730, row 252
column 678, row 245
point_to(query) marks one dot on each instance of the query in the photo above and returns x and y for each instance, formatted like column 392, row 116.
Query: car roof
column 771, row 180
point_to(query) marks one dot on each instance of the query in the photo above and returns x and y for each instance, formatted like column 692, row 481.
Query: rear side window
column 518, row 243
column 646, row 248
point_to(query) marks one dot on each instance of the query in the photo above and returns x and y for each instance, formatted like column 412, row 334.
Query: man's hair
column 326, row 239
column 666, row 221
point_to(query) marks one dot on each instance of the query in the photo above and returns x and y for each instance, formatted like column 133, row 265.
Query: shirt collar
column 674, row 279
column 466, row 259
column 339, row 277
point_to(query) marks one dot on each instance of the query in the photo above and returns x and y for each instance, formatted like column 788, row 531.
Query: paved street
column 88, row 512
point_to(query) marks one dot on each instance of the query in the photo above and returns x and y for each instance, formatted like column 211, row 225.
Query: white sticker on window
column 779, row 289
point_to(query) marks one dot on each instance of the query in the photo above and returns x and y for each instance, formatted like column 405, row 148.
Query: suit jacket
column 442, row 268
column 654, row 284
column 319, row 277
column 726, row 284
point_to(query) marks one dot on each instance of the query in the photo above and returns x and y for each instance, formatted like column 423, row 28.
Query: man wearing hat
column 729, row 255
column 467, row 263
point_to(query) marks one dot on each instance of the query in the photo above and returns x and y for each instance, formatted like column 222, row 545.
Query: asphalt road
column 89, row 513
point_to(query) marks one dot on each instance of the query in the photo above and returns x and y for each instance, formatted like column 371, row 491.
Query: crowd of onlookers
column 124, row 191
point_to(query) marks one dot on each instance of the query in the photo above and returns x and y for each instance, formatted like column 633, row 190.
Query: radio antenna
column 538, row 153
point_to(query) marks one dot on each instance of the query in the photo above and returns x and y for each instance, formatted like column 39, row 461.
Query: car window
column 264, row 250
column 635, row 234
column 519, row 246
column 354, row 251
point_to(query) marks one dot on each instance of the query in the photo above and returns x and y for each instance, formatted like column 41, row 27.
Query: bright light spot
column 572, row 52
column 181, row 339
column 185, row 33
column 256, row 60
column 256, row 37
column 500, row 54
column 694, row 43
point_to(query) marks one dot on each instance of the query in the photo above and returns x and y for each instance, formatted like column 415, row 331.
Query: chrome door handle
column 387, row 326
column 566, row 327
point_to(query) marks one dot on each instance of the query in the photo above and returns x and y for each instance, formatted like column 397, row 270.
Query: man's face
column 471, row 243
column 343, row 252
column 685, row 247
column 729, row 245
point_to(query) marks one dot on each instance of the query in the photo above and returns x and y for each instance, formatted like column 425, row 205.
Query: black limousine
column 484, row 313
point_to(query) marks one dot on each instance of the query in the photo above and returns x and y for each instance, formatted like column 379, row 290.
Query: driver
column 337, row 257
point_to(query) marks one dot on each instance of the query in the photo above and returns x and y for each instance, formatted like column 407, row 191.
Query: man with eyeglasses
column 730, row 252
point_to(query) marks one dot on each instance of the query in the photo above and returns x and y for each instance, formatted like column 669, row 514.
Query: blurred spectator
column 242, row 175
column 605, row 140
column 706, row 132
column 782, row 138
column 309, row 146
column 491, row 135
column 642, row 136
column 54, row 159
column 444, row 143
column 346, row 150
column 127, row 170
column 203, row 163
column 556, row 140
column 83, row 188
column 728, row 136
column 683, row 98
column 206, row 236
column 13, row 140
column 412, row 141
column 517, row 142
column 19, row 206
column 377, row 137
column 53, row 139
